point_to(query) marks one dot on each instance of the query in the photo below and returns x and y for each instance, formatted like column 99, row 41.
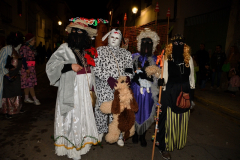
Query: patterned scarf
column 80, row 57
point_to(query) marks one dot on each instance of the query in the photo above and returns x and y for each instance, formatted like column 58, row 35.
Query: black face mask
column 177, row 51
column 146, row 47
column 79, row 39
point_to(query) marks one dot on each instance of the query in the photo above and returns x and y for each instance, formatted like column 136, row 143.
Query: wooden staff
column 158, row 105
column 125, row 19
column 168, row 15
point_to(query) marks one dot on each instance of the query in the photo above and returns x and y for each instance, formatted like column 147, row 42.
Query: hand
column 7, row 75
column 76, row 67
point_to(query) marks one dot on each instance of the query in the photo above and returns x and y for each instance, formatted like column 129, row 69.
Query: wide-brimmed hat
column 82, row 25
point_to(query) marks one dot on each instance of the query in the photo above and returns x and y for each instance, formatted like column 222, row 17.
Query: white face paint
column 114, row 39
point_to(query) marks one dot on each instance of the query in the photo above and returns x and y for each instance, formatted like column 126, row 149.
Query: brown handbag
column 183, row 100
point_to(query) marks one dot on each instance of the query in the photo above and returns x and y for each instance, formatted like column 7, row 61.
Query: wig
column 15, row 38
column 148, row 33
column 79, row 41
column 186, row 53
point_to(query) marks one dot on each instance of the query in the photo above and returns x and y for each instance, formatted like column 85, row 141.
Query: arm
column 191, row 76
column 56, row 64
column 129, row 65
column 4, row 53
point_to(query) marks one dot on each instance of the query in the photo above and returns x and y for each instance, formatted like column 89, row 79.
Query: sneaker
column 120, row 142
column 8, row 116
column 166, row 155
column 28, row 100
column 36, row 102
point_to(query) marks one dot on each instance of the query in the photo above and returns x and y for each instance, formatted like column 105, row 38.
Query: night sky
column 89, row 8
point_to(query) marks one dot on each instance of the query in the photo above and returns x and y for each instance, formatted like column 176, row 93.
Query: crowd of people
column 79, row 70
column 214, row 67
column 17, row 73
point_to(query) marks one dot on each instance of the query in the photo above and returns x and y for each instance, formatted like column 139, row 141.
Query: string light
column 92, row 21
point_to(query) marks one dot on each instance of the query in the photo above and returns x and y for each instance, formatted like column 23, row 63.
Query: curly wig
column 186, row 53
column 148, row 33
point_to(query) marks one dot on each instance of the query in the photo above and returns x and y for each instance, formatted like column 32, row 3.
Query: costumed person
column 75, row 128
column 10, row 79
column 112, row 62
column 147, row 42
column 178, row 76
column 28, row 72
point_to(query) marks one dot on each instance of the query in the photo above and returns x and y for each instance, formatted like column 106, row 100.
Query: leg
column 143, row 140
column 218, row 78
column 32, row 92
column 213, row 78
column 114, row 132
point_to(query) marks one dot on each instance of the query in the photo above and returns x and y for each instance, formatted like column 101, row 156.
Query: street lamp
column 59, row 23
column 134, row 10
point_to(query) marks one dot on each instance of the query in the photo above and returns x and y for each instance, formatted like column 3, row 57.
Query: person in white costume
column 112, row 61
column 75, row 128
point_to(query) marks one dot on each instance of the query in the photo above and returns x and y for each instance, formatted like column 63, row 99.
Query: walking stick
column 161, row 60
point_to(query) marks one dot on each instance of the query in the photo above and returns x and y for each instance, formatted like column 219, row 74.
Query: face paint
column 114, row 39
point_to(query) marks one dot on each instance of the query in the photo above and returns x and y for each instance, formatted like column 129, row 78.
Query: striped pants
column 172, row 129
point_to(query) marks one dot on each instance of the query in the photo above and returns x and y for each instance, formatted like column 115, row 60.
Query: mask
column 114, row 39
column 146, row 47
column 177, row 51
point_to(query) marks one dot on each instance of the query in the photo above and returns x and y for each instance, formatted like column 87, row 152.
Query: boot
column 135, row 138
column 143, row 140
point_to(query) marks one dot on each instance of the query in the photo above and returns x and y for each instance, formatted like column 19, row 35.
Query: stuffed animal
column 153, row 71
column 122, row 107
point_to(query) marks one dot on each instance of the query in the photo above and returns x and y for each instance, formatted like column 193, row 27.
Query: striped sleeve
column 4, row 52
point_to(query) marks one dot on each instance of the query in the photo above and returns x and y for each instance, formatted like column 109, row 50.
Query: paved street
column 211, row 135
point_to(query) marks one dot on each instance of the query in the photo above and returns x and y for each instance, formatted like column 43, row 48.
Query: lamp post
column 134, row 10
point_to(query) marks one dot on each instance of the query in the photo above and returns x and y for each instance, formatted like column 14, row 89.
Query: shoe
column 28, row 100
column 120, row 142
column 166, row 155
column 36, row 102
column 135, row 138
column 22, row 111
column 143, row 140
column 8, row 116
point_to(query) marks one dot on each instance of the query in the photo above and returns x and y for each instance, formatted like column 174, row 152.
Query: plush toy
column 153, row 71
column 122, row 108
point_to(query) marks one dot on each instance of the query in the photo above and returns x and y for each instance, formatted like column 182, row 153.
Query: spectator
column 11, row 63
column 233, row 58
column 217, row 61
column 29, row 78
column 202, row 57
column 234, row 83
column 205, row 75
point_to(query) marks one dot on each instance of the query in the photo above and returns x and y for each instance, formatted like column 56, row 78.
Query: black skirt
column 169, row 96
